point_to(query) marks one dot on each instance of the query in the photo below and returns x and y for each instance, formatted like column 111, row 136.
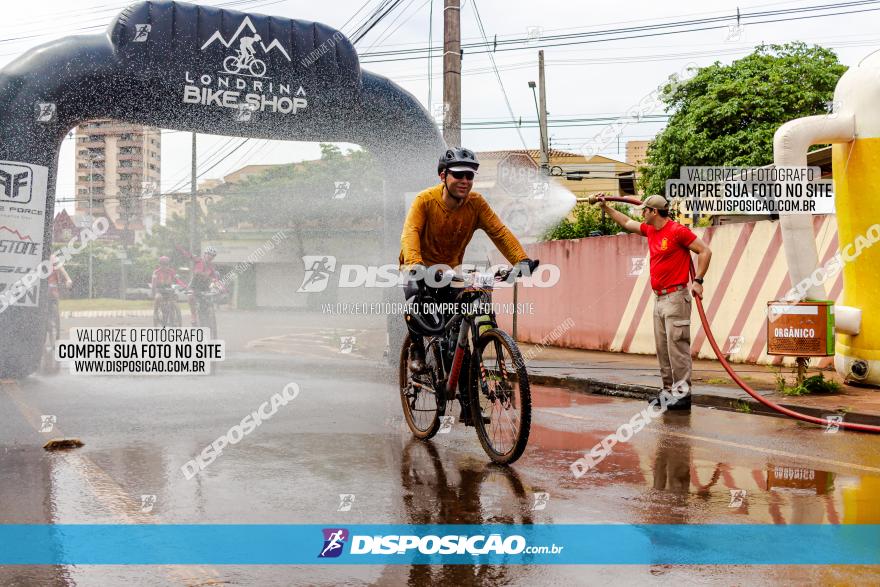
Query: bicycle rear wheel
column 501, row 400
column 422, row 397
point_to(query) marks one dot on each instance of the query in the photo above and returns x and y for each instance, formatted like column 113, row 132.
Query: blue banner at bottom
column 241, row 544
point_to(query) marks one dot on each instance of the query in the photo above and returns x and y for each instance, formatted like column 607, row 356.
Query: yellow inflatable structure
column 853, row 127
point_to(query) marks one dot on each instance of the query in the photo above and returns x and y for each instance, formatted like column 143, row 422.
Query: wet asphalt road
column 343, row 434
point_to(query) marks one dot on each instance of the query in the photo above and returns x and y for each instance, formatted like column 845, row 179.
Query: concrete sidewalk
column 638, row 376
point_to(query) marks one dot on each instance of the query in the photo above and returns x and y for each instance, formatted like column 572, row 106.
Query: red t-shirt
column 670, row 256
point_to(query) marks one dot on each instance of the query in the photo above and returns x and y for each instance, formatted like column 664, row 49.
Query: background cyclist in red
column 163, row 276
column 203, row 275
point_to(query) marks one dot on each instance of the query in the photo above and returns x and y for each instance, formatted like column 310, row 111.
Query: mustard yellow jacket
column 433, row 234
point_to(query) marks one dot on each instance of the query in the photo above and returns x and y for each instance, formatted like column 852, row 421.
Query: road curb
column 743, row 404
column 106, row 313
column 364, row 369
column 378, row 372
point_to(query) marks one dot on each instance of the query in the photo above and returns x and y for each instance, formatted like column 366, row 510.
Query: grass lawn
column 107, row 304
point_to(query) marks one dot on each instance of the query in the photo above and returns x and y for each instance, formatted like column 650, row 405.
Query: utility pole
column 193, row 202
column 92, row 220
column 542, row 115
column 452, row 73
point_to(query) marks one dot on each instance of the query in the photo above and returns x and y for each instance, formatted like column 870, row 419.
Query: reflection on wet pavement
column 340, row 437
column 685, row 479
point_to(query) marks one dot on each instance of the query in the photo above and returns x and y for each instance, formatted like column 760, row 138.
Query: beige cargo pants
column 672, row 336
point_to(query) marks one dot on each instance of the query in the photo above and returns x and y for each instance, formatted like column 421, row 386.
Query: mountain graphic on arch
column 246, row 23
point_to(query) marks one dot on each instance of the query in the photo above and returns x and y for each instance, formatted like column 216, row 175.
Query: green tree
column 175, row 233
column 107, row 269
column 306, row 195
column 585, row 219
column 727, row 114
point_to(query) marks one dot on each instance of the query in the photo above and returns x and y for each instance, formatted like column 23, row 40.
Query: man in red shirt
column 670, row 245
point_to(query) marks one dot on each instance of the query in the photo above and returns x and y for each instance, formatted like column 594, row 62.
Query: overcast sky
column 583, row 80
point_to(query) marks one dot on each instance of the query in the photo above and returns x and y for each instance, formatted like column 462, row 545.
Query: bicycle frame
column 491, row 393
column 466, row 324
column 244, row 59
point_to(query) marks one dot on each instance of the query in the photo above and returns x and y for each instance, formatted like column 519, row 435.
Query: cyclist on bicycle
column 203, row 275
column 246, row 48
column 163, row 276
column 439, row 226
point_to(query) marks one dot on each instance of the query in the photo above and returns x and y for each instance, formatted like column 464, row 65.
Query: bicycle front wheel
column 175, row 319
column 501, row 401
column 422, row 396
column 207, row 317
column 258, row 68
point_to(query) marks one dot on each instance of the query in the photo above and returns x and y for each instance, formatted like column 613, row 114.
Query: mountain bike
column 166, row 312
column 206, row 314
column 470, row 359
column 242, row 61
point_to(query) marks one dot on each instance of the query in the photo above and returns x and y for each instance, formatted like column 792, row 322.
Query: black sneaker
column 465, row 417
column 683, row 403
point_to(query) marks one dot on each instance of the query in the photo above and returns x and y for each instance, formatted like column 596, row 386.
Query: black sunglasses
column 462, row 174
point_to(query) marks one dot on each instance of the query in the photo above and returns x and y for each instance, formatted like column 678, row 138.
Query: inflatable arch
column 192, row 68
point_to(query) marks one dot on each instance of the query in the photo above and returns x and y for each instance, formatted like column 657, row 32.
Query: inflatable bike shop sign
column 243, row 82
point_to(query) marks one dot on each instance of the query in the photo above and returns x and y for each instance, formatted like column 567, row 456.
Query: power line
column 385, row 34
column 384, row 9
column 353, row 16
column 497, row 77
column 605, row 36
column 661, row 25
column 103, row 25
column 430, row 60
column 476, row 39
column 633, row 59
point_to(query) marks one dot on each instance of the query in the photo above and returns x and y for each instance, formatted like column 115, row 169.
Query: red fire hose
column 736, row 378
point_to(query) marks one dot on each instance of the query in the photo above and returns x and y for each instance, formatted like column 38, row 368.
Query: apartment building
column 118, row 169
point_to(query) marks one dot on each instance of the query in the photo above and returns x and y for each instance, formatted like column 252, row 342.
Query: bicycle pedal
column 467, row 421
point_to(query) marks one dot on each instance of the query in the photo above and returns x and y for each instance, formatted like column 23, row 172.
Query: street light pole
column 193, row 201
column 542, row 114
column 452, row 72
column 91, row 261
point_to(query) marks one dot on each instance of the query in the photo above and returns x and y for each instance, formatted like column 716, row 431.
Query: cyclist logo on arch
column 245, row 59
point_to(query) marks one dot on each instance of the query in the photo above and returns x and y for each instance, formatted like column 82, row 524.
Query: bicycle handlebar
column 436, row 329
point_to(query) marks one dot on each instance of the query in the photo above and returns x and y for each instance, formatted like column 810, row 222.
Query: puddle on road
column 666, row 477
column 464, row 492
